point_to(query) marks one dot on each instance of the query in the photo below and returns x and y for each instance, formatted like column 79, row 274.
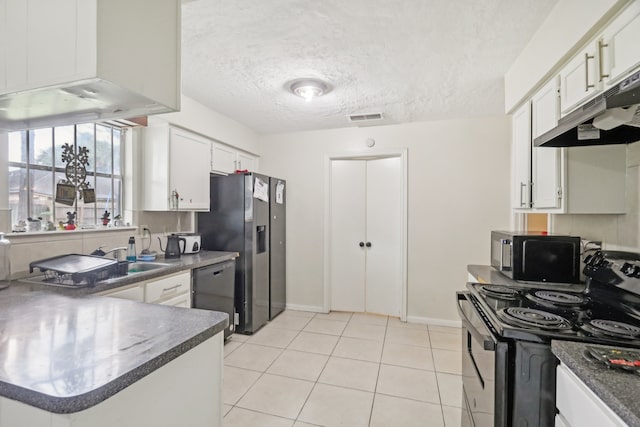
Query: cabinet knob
column 361, row 244
column 368, row 244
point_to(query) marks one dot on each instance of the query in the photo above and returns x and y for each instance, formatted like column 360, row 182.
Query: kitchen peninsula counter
column 66, row 351
column 614, row 387
column 65, row 354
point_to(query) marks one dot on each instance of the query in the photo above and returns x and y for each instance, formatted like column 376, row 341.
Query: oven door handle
column 487, row 341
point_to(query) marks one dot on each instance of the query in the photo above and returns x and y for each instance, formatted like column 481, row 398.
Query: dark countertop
column 64, row 350
column 615, row 388
column 185, row 262
column 489, row 275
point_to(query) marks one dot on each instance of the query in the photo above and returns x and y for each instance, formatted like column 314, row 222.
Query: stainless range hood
column 612, row 117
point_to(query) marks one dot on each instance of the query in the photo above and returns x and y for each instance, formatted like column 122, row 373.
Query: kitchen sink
column 142, row 266
column 66, row 280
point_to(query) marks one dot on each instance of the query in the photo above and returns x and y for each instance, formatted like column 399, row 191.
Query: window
column 36, row 166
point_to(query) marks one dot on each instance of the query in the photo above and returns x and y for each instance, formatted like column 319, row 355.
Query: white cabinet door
column 48, row 42
column 578, row 405
column 223, row 158
column 546, row 162
column 348, row 230
column 384, row 235
column 579, row 79
column 366, row 235
column 175, row 161
column 521, row 158
column 247, row 161
column 620, row 52
column 189, row 169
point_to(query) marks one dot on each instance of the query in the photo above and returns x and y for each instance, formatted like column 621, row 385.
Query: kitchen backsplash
column 620, row 232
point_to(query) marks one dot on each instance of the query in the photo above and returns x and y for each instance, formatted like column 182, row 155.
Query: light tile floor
column 343, row 369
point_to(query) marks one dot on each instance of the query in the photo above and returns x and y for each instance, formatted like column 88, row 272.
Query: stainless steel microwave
column 536, row 257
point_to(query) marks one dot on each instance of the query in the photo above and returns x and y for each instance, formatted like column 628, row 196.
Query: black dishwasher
column 214, row 289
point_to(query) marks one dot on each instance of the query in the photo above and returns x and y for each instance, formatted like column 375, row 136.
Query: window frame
column 29, row 165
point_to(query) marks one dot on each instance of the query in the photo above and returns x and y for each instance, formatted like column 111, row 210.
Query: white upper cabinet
column 247, row 162
column 580, row 79
column 176, row 169
column 619, row 44
column 226, row 159
column 546, row 171
column 562, row 180
column 223, row 158
column 603, row 62
column 521, row 158
column 66, row 61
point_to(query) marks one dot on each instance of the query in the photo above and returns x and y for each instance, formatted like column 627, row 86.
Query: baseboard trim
column 311, row 308
column 435, row 322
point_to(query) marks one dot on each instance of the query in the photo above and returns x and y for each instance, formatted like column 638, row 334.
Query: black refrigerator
column 277, row 246
column 239, row 220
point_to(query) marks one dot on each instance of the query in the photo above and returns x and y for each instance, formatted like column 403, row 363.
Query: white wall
column 458, row 192
column 569, row 25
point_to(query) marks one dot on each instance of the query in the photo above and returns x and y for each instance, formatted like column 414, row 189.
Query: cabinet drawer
column 183, row 300
column 168, row 287
column 135, row 293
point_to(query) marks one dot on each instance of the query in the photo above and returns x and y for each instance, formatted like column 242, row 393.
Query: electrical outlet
column 141, row 229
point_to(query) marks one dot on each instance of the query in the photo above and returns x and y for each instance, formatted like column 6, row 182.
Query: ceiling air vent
column 369, row 119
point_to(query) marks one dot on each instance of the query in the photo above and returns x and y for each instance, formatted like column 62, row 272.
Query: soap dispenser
column 131, row 250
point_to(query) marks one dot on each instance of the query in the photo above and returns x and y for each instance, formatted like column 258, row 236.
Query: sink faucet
column 116, row 251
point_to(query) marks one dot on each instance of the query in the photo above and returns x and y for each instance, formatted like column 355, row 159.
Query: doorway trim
column 372, row 154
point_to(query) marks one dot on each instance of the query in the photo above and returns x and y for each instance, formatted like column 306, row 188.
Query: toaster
column 193, row 243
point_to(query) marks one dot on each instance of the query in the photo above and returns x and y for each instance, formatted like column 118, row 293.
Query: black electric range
column 507, row 366
column 595, row 315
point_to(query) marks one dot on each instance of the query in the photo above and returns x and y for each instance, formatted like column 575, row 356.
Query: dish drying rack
column 76, row 270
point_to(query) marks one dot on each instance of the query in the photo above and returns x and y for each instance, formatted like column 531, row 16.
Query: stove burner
column 612, row 328
column 559, row 298
column 499, row 292
column 529, row 317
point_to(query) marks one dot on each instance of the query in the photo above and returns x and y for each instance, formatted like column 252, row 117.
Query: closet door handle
column 361, row 244
column 368, row 244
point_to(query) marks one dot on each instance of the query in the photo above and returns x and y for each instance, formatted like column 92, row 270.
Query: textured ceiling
column 412, row 60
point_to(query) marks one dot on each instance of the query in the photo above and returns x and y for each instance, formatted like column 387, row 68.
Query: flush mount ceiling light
column 309, row 88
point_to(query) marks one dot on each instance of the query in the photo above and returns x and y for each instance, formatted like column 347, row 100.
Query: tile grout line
column 257, row 379
column 437, row 381
column 375, row 388
column 316, row 381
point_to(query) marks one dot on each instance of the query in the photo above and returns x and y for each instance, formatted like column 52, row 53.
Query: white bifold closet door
column 366, row 235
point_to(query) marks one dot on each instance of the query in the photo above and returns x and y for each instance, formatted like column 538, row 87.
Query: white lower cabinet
column 132, row 293
column 174, row 289
column 176, row 394
column 578, row 406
